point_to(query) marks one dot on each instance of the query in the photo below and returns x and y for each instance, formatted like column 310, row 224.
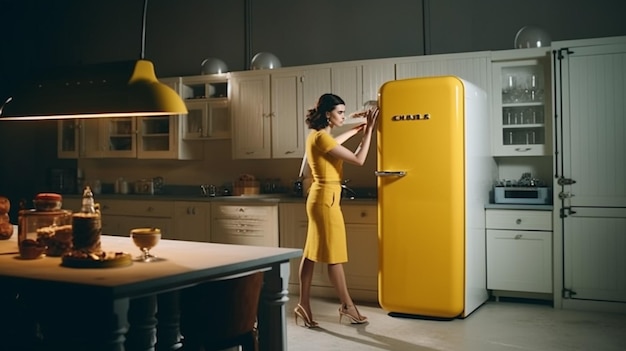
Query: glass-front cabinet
column 68, row 131
column 521, row 108
column 206, row 98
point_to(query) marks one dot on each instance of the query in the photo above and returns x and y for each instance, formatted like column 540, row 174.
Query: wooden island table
column 88, row 308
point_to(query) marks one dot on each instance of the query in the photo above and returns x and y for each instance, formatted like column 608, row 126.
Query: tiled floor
column 495, row 326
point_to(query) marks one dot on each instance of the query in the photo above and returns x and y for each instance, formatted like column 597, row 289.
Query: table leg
column 272, row 327
column 78, row 324
column 168, row 316
column 141, row 334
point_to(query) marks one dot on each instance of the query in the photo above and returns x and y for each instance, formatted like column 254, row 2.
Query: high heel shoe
column 299, row 311
column 354, row 319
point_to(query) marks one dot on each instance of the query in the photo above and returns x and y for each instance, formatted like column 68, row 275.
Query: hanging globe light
column 265, row 60
column 531, row 37
column 212, row 65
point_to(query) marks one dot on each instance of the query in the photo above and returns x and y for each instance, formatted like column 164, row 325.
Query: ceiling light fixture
column 119, row 89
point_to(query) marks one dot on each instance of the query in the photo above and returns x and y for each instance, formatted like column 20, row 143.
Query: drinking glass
column 145, row 239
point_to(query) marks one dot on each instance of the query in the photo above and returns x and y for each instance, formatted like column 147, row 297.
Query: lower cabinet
column 519, row 251
column 244, row 223
column 192, row 221
column 362, row 238
column 120, row 216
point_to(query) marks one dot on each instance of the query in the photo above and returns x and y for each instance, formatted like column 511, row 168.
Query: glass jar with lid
column 44, row 232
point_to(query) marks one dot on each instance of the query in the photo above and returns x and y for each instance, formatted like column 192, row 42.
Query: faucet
column 347, row 192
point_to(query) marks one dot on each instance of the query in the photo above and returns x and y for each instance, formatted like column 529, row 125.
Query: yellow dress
column 326, row 233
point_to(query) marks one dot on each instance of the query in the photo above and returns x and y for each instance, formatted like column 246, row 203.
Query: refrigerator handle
column 390, row 173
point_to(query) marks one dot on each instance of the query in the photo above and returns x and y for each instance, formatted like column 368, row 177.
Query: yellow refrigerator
column 434, row 173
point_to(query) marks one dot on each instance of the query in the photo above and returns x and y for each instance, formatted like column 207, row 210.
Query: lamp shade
column 120, row 89
column 212, row 65
column 531, row 37
column 265, row 60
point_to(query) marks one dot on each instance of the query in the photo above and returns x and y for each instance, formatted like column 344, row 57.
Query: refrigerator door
column 421, row 210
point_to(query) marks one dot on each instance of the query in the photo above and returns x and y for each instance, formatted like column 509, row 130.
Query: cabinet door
column 519, row 261
column 68, row 131
column 251, row 116
column 362, row 267
column 192, row 221
column 109, row 138
column 293, row 230
column 157, row 137
column 594, row 241
column 521, row 113
column 362, row 238
column 347, row 82
column 287, row 115
column 473, row 67
column 374, row 76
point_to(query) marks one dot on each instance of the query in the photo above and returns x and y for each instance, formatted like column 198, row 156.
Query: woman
column 326, row 235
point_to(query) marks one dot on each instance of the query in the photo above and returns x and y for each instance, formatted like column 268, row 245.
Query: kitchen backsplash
column 217, row 168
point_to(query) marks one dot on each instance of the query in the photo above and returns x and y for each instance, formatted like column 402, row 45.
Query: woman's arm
column 343, row 137
column 359, row 156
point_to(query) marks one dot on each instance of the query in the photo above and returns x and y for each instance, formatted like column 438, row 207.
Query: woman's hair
column 316, row 117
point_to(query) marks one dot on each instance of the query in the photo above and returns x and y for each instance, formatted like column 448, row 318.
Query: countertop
column 261, row 198
column 519, row 207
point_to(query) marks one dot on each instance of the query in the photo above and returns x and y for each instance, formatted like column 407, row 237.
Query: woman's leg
column 338, row 279
column 306, row 276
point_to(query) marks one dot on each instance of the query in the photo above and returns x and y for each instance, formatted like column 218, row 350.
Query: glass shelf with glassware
column 521, row 106
column 206, row 97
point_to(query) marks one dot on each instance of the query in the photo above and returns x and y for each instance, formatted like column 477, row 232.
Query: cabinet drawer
column 137, row 208
column 243, row 211
column 519, row 219
column 365, row 214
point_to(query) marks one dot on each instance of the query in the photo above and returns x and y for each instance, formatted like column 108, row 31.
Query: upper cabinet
column 358, row 82
column 68, row 136
column 268, row 111
column 472, row 67
column 206, row 97
column 521, row 103
column 157, row 137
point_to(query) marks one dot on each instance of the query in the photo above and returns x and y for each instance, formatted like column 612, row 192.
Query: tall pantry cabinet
column 589, row 187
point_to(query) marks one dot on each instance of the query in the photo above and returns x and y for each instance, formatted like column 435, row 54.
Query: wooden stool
column 221, row 313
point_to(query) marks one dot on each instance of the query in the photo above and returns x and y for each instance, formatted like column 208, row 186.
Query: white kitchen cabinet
column 157, row 137
column 519, row 251
column 590, row 196
column 268, row 111
column 473, row 67
column 206, row 97
column 362, row 237
column 521, row 104
column 357, row 82
column 244, row 223
column 68, row 136
column 120, row 216
column 293, row 229
column 128, row 137
column 192, row 220
column 361, row 270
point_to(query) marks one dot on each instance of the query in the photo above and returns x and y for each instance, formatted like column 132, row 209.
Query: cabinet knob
column 518, row 236
column 363, row 214
column 518, row 221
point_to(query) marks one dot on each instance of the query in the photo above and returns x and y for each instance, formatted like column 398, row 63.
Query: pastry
column 5, row 205
column 58, row 239
column 6, row 230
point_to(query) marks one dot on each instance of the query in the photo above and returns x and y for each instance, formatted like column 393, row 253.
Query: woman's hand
column 372, row 118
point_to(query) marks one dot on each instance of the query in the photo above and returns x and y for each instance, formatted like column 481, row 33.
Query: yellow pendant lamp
column 119, row 89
